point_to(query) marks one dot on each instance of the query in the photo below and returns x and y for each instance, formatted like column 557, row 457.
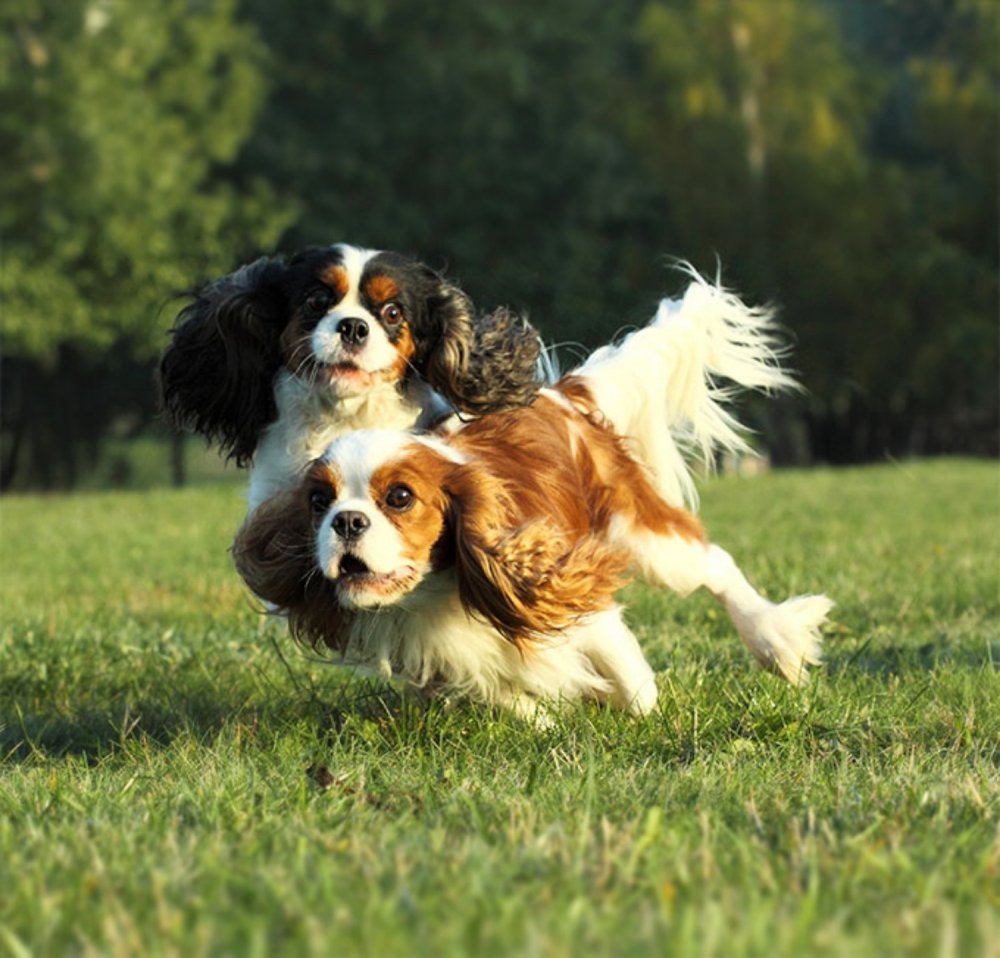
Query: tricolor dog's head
column 344, row 321
column 382, row 511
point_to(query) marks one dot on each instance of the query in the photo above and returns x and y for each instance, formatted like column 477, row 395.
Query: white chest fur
column 308, row 422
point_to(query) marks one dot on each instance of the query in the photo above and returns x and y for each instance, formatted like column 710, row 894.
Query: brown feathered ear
column 504, row 369
column 216, row 375
column 529, row 580
column 274, row 550
column 445, row 337
column 275, row 553
column 479, row 363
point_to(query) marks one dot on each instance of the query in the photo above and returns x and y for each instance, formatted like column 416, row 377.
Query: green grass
column 178, row 779
column 143, row 462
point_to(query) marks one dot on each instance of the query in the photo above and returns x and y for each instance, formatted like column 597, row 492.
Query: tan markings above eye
column 336, row 278
column 392, row 314
column 320, row 487
column 381, row 289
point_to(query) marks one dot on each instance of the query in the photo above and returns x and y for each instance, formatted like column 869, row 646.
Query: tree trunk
column 178, row 472
column 11, row 456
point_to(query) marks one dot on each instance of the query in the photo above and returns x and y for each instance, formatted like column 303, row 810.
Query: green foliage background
column 837, row 157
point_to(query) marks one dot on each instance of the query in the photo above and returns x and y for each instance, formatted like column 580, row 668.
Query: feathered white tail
column 666, row 386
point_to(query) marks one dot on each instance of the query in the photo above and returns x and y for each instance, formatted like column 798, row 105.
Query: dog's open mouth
column 360, row 587
column 347, row 378
column 345, row 368
column 351, row 567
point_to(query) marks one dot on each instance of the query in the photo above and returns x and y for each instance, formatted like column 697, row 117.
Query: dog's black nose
column 350, row 525
column 353, row 331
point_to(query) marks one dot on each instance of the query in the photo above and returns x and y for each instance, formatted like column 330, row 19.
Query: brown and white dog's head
column 382, row 511
column 380, row 504
column 344, row 321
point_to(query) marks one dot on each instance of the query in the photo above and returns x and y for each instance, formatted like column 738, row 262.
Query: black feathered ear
column 479, row 363
column 216, row 375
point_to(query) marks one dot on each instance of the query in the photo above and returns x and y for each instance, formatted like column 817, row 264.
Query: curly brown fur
column 482, row 363
column 530, row 580
column 503, row 364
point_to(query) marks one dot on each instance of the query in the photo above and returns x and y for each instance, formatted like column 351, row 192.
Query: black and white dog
column 277, row 359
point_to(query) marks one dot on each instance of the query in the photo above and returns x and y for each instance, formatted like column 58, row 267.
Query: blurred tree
column 479, row 135
column 765, row 133
column 118, row 119
column 753, row 121
column 837, row 157
column 937, row 137
column 552, row 155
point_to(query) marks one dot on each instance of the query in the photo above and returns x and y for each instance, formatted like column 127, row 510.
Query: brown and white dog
column 487, row 561
column 277, row 359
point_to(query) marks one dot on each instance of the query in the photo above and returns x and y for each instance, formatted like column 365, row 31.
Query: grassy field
column 178, row 779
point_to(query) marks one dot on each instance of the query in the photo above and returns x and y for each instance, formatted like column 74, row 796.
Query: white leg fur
column 534, row 711
column 708, row 334
column 784, row 638
column 610, row 644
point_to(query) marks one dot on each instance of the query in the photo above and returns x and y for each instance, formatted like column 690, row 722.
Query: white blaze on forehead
column 353, row 259
column 357, row 455
column 442, row 449
column 355, row 458
column 377, row 353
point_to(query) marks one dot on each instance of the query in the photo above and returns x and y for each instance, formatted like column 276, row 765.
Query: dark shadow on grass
column 880, row 656
column 95, row 725
column 95, row 730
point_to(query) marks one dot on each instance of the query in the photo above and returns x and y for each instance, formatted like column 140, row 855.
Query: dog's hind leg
column 784, row 637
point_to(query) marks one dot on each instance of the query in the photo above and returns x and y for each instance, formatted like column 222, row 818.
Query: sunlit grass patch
column 179, row 778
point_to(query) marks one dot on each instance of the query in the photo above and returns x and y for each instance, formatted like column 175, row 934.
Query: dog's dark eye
column 392, row 314
column 319, row 301
column 399, row 497
column 319, row 501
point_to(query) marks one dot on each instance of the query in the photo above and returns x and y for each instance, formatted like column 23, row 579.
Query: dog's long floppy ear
column 479, row 363
column 528, row 580
column 216, row 374
column 274, row 549
column 275, row 554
